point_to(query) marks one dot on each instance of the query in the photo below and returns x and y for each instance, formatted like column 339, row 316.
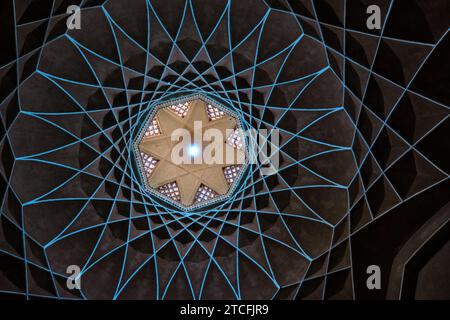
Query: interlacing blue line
column 212, row 220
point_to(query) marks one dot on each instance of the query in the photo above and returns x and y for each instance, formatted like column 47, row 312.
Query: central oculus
column 191, row 151
column 194, row 150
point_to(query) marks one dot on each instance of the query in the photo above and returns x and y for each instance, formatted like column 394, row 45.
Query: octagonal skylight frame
column 147, row 122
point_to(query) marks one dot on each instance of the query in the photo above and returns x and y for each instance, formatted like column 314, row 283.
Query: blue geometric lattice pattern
column 357, row 141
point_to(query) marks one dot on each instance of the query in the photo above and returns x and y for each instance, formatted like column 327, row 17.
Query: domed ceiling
column 363, row 175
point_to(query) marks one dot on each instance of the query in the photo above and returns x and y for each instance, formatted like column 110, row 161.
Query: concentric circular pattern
column 364, row 156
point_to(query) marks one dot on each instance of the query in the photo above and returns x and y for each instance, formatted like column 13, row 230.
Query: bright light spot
column 193, row 150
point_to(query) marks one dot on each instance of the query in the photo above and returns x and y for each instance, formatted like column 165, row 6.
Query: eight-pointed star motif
column 193, row 178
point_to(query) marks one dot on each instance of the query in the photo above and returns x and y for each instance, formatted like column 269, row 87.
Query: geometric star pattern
column 364, row 169
column 199, row 171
